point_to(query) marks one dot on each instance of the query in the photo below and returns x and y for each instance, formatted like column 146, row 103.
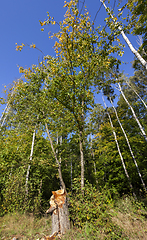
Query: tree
column 133, row 112
column 58, row 98
column 138, row 20
column 122, row 160
column 118, row 26
column 127, row 140
column 79, row 60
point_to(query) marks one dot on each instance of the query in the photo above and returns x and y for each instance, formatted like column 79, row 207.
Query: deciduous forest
column 54, row 134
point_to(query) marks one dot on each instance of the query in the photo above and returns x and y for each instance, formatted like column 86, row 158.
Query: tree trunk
column 81, row 146
column 6, row 110
column 82, row 160
column 29, row 166
column 92, row 154
column 71, row 173
column 141, row 128
column 127, row 140
column 57, row 161
column 121, row 157
column 137, row 95
column 59, row 212
column 137, row 55
column 3, row 118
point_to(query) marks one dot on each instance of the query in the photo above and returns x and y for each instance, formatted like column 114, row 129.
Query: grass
column 24, row 226
column 126, row 220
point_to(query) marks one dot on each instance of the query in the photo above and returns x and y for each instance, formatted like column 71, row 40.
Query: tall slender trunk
column 121, row 157
column 29, row 166
column 92, row 153
column 3, row 118
column 127, row 140
column 71, row 173
column 133, row 112
column 60, row 160
column 57, row 141
column 57, row 161
column 81, row 146
column 57, row 150
column 137, row 95
column 82, row 159
column 6, row 110
column 133, row 50
column 71, row 167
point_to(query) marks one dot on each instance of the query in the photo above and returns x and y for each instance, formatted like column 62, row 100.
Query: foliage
column 139, row 19
column 62, row 92
column 90, row 207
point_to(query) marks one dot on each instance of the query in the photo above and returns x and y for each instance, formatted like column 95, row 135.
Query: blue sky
column 19, row 23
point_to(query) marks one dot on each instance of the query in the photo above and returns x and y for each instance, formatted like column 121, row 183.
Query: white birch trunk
column 133, row 112
column 81, row 148
column 71, row 167
column 82, row 160
column 6, row 110
column 137, row 95
column 57, row 141
column 127, row 140
column 29, row 166
column 138, row 56
column 121, row 157
column 60, row 145
column 4, row 119
column 71, row 173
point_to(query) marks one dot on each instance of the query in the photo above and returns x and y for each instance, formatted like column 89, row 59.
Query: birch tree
column 29, row 166
column 133, row 112
column 137, row 95
column 120, row 154
column 117, row 25
column 128, row 143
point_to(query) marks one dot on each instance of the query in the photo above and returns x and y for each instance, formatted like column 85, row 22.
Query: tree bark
column 137, row 55
column 137, row 95
column 3, row 118
column 29, row 166
column 57, row 161
column 133, row 112
column 92, row 153
column 59, row 212
column 127, row 140
column 6, row 110
column 121, row 157
column 82, row 160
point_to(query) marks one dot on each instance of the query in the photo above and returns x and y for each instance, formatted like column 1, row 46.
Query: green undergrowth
column 93, row 215
column 100, row 217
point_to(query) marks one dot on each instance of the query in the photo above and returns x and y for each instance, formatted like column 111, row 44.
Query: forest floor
column 126, row 221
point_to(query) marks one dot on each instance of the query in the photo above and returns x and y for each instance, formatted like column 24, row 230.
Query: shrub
column 89, row 207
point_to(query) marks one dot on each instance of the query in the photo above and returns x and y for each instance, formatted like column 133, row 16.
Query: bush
column 89, row 207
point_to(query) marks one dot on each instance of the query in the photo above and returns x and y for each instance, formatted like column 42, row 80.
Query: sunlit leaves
column 19, row 47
